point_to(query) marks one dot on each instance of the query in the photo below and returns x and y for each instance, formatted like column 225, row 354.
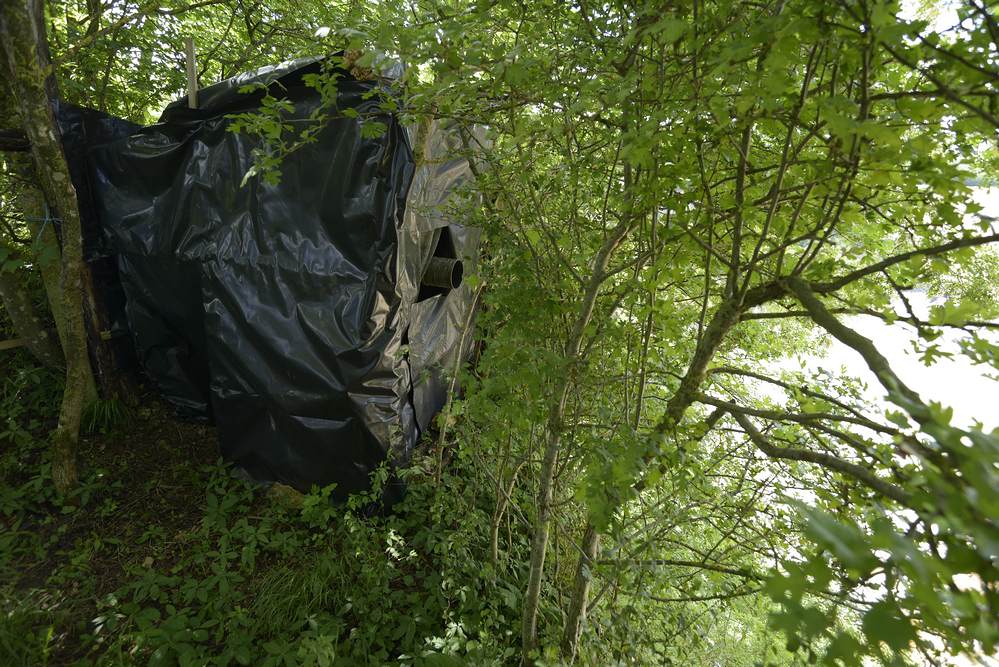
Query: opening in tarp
column 280, row 311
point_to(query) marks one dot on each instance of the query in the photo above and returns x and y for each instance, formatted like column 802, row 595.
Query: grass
column 27, row 632
column 104, row 415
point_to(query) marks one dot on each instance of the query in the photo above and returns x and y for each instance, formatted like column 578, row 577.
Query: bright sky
column 955, row 383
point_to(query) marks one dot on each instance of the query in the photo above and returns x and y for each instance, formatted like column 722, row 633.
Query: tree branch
column 737, row 571
column 947, row 92
column 859, row 473
column 785, row 314
column 805, row 418
column 705, row 598
column 898, row 391
column 144, row 10
column 837, row 283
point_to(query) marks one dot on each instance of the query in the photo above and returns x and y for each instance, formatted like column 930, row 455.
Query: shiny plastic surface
column 290, row 314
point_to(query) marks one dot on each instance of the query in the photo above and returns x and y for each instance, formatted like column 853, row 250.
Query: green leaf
column 372, row 129
column 846, row 541
column 884, row 622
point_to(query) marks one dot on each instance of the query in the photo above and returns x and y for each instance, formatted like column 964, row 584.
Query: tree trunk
column 553, row 445
column 20, row 37
column 48, row 258
column 723, row 320
column 13, row 140
column 580, row 594
column 47, row 255
column 27, row 323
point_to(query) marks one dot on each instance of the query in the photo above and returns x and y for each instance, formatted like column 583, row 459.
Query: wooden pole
column 192, row 74
column 11, row 344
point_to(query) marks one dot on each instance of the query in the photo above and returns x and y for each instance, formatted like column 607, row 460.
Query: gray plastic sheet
column 291, row 315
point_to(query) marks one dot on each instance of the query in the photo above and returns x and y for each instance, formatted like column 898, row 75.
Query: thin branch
column 877, row 267
column 859, row 473
column 947, row 92
column 737, row 571
column 705, row 598
column 786, row 314
column 898, row 391
column 731, row 370
column 805, row 418
column 144, row 10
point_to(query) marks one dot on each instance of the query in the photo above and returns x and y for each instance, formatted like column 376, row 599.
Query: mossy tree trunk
column 20, row 37
column 579, row 599
column 46, row 254
column 48, row 258
column 27, row 323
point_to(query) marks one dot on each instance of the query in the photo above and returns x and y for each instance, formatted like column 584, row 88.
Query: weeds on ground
column 225, row 576
column 104, row 415
column 321, row 585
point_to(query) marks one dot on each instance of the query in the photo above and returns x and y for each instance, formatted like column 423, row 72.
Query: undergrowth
column 189, row 565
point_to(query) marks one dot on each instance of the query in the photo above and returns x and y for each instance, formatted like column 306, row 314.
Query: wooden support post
column 192, row 74
column 11, row 344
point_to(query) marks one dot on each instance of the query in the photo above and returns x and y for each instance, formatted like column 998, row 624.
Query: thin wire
column 46, row 220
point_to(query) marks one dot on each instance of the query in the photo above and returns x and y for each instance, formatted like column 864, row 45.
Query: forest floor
column 139, row 498
column 134, row 509
column 162, row 556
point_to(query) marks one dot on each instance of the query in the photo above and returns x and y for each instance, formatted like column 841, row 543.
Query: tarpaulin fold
column 290, row 314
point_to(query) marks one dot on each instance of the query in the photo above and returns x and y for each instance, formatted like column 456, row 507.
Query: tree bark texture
column 580, row 593
column 27, row 323
column 20, row 38
column 47, row 255
column 13, row 140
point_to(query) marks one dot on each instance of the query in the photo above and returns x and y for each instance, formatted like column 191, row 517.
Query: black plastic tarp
column 291, row 315
column 82, row 129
